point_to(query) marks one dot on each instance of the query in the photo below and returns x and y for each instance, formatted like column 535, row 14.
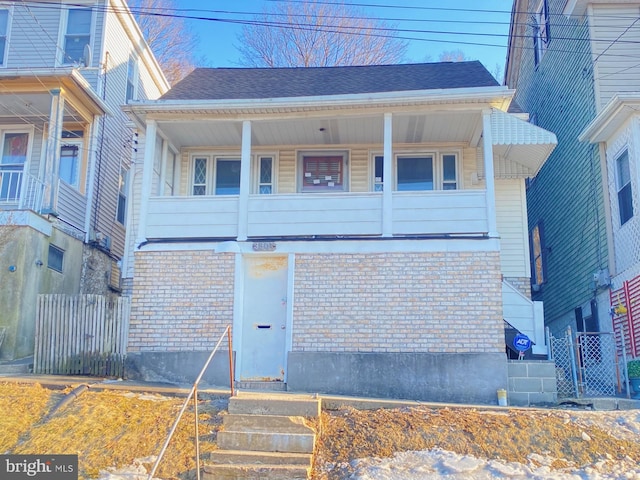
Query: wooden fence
column 625, row 310
column 81, row 335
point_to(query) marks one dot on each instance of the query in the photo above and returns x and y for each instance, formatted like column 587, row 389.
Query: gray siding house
column 65, row 70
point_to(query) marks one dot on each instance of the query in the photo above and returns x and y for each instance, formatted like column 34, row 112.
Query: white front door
column 264, row 319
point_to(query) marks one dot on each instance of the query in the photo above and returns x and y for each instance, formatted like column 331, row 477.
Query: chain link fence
column 587, row 364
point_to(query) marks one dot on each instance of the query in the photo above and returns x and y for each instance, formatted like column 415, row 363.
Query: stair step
column 268, row 386
column 15, row 368
column 274, row 404
column 262, row 441
column 256, row 472
column 265, row 423
column 265, row 458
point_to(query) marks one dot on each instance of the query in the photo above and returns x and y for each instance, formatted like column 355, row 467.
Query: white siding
column 615, row 35
column 512, row 226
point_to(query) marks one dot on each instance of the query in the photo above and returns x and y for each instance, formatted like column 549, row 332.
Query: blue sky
column 474, row 22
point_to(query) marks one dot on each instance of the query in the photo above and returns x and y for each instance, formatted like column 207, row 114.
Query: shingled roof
column 254, row 83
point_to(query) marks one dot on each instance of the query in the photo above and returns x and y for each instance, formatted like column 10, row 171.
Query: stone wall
column 532, row 382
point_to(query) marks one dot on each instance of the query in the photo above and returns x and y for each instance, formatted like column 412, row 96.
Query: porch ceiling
column 33, row 107
column 431, row 127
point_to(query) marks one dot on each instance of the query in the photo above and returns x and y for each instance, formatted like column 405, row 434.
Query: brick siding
column 523, row 284
column 398, row 302
column 181, row 300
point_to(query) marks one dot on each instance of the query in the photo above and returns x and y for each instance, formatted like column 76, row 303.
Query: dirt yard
column 111, row 429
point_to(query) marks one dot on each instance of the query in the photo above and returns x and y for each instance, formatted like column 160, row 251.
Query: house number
column 264, row 246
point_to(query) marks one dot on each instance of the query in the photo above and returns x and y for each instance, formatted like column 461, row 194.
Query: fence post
column 547, row 336
column 574, row 368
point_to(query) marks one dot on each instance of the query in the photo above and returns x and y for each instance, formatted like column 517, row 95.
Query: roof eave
column 619, row 109
column 498, row 96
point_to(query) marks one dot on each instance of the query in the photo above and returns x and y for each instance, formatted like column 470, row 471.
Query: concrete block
column 527, row 385
column 274, row 404
column 517, row 368
column 550, row 385
column 542, row 398
column 266, row 423
column 255, row 472
column 263, row 458
column 518, row 399
column 266, row 441
column 541, row 368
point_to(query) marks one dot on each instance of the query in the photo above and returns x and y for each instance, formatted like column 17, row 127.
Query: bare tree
column 170, row 40
column 453, row 56
column 311, row 34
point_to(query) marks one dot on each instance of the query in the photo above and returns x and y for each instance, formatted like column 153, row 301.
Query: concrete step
column 262, row 386
column 265, row 423
column 243, row 457
column 262, row 441
column 274, row 404
column 256, row 472
column 15, row 368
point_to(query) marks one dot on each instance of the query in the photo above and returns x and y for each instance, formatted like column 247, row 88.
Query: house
column 65, row 69
column 358, row 227
column 573, row 68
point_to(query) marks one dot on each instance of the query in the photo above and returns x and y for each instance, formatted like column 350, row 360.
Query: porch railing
column 21, row 190
column 414, row 213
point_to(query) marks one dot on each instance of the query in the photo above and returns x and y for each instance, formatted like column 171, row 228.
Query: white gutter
column 499, row 94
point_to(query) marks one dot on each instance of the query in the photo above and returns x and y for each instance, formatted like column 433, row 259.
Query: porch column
column 387, row 177
column 245, row 181
column 147, row 178
column 487, row 139
column 52, row 156
column 163, row 167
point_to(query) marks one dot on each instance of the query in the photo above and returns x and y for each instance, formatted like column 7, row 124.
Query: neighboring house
column 352, row 224
column 574, row 68
column 65, row 69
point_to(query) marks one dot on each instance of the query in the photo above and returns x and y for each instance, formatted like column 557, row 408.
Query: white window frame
column 211, row 172
column 132, row 79
column 62, row 56
column 345, row 184
column 438, row 168
column 255, row 180
column 123, row 192
column 79, row 143
column 7, row 34
column 25, row 166
column 541, row 33
column 620, row 187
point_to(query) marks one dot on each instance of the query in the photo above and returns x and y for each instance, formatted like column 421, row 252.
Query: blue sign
column 522, row 342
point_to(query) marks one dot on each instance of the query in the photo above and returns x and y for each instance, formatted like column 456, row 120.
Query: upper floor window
column 78, row 34
column 536, row 239
column 415, row 172
column 123, row 187
column 541, row 29
column 131, row 79
column 265, row 175
column 323, row 171
column 15, row 148
column 215, row 175
column 4, row 27
column 71, row 157
column 623, row 184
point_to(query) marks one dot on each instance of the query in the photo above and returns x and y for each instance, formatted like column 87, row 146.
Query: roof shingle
column 255, row 83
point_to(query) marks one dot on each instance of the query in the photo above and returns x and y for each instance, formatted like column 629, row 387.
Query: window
column 323, row 171
column 449, row 175
column 4, row 26
column 415, row 173
column 378, row 173
column 14, row 155
column 55, row 259
column 227, row 176
column 265, row 175
column 70, row 157
column 625, row 196
column 215, row 176
column 541, row 31
column 78, row 34
column 537, row 254
column 131, row 80
column 123, row 188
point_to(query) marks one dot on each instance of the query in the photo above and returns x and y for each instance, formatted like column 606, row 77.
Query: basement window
column 55, row 259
